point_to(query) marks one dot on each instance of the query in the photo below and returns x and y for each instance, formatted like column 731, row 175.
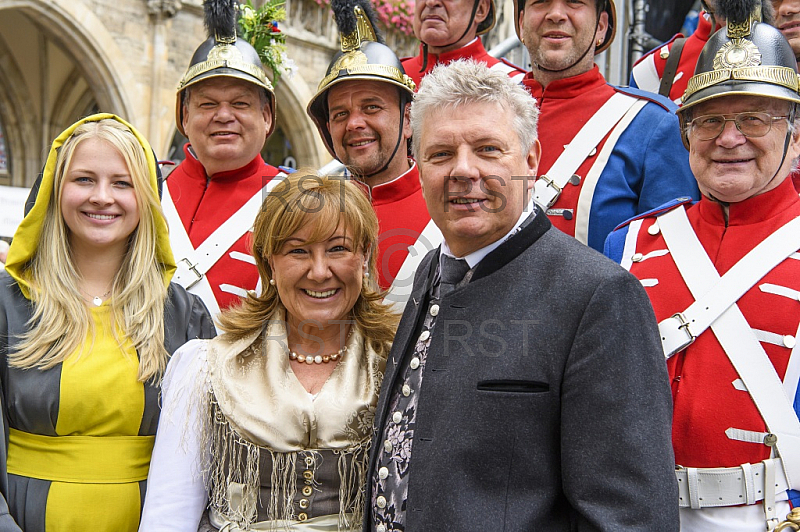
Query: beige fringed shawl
column 259, row 410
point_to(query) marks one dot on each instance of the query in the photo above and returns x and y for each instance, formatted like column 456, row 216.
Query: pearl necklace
column 321, row 359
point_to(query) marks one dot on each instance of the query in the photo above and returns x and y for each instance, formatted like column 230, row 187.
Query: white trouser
column 748, row 518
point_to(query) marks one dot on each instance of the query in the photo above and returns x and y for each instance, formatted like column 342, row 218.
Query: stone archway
column 47, row 49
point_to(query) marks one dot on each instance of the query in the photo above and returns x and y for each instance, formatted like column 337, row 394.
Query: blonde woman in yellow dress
column 88, row 319
column 269, row 424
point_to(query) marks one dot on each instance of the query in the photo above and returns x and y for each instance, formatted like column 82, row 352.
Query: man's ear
column 483, row 11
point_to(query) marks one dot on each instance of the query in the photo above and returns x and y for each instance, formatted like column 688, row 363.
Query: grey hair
column 466, row 81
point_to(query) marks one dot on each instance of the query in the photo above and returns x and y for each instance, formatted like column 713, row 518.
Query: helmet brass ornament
column 748, row 58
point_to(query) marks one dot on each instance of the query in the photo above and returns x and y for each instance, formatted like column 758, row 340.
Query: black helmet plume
column 220, row 18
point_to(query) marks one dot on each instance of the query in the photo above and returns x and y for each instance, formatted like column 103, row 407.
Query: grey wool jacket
column 545, row 402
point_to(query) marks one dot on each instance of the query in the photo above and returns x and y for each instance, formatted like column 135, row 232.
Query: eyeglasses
column 708, row 127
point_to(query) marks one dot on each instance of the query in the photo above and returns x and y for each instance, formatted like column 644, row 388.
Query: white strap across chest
column 403, row 284
column 715, row 297
column 193, row 264
column 731, row 328
column 548, row 187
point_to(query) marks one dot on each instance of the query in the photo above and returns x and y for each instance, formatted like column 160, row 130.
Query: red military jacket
column 708, row 395
column 649, row 69
column 204, row 203
column 402, row 216
column 474, row 50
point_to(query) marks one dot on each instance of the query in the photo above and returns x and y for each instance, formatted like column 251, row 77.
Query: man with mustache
column 666, row 70
column 226, row 107
column 724, row 279
column 361, row 113
column 450, row 30
column 607, row 153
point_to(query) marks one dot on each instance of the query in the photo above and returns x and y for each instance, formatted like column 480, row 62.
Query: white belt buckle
column 552, row 184
column 192, row 268
column 684, row 326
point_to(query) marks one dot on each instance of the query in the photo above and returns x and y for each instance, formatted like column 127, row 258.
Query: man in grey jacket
column 526, row 389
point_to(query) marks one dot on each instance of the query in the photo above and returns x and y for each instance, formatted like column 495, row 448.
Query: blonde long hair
column 61, row 320
column 326, row 201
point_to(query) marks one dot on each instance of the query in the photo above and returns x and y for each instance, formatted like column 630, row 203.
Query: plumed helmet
column 223, row 54
column 363, row 56
column 748, row 57
column 611, row 31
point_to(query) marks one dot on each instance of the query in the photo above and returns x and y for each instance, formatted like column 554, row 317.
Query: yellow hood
column 26, row 238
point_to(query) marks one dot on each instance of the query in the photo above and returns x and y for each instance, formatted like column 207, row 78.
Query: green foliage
column 259, row 27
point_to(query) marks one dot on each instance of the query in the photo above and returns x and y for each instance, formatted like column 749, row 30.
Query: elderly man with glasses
column 724, row 279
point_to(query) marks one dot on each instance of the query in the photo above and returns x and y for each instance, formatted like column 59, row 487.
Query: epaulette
column 658, row 211
column 657, row 99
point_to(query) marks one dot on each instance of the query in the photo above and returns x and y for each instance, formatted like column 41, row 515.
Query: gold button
column 637, row 257
column 770, row 440
column 304, row 503
column 381, row 501
column 302, row 516
column 309, row 461
column 664, row 53
column 307, row 491
column 654, row 229
column 308, row 475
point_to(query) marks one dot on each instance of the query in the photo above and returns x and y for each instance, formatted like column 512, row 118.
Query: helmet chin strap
column 539, row 67
column 787, row 140
column 466, row 30
column 396, row 145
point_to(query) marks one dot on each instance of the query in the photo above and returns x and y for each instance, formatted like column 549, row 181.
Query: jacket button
column 307, row 491
column 308, row 475
column 304, row 503
column 383, row 473
column 406, row 390
column 381, row 501
column 397, row 417
column 414, row 363
column 387, row 446
column 637, row 257
column 654, row 229
column 302, row 516
column 434, row 310
column 380, row 528
column 424, row 336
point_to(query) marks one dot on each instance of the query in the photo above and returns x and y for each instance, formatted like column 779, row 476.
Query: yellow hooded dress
column 81, row 433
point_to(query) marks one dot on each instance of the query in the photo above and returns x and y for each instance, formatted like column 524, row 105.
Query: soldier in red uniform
column 226, row 107
column 677, row 57
column 724, row 278
column 450, row 30
column 608, row 153
column 361, row 112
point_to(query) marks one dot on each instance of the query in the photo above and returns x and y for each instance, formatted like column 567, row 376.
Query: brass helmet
column 749, row 57
column 363, row 56
column 611, row 31
column 223, row 54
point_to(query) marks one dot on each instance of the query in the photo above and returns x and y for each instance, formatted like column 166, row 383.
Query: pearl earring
column 272, row 282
